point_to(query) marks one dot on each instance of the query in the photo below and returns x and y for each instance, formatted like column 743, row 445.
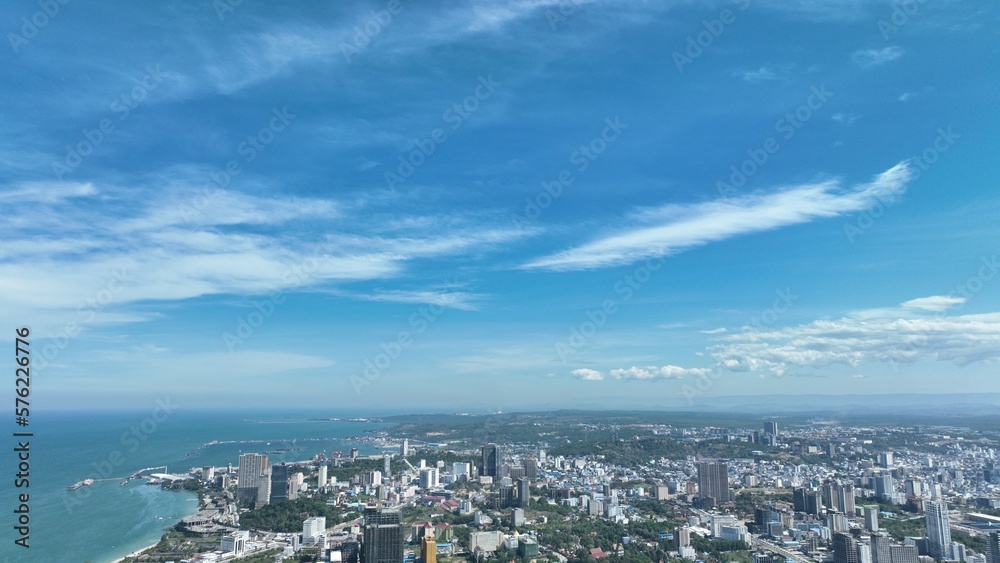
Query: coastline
column 136, row 553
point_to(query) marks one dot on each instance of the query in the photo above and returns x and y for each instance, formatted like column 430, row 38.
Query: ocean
column 107, row 521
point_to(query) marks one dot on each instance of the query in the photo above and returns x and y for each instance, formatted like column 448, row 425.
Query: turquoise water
column 107, row 521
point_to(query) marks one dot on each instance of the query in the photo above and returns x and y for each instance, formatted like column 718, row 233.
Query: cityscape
column 500, row 281
column 618, row 487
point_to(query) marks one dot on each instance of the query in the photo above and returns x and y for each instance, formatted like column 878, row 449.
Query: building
column 845, row 495
column 491, row 460
column 993, row 548
column 683, row 537
column 523, row 492
column 771, row 428
column 251, row 467
column 517, row 518
column 404, row 450
column 279, row 482
column 881, row 548
column 263, row 489
column 845, row 548
column 713, row 482
column 871, row 518
column 428, row 547
column 531, row 468
column 904, row 554
column 938, row 530
column 884, row 487
column 321, row 477
column 382, row 538
column 429, row 478
column 487, row 542
column 235, row 543
column 527, row 548
column 386, row 465
column 313, row 529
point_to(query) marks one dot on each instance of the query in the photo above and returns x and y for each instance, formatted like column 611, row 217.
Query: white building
column 235, row 542
column 313, row 529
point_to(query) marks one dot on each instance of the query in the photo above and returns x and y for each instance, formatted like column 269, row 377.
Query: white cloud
column 935, row 303
column 845, row 118
column 462, row 300
column 869, row 58
column 878, row 336
column 47, row 192
column 762, row 74
column 719, row 330
column 645, row 373
column 587, row 374
column 675, row 228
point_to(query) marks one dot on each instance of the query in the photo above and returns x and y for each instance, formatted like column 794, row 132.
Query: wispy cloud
column 869, row 58
column 676, row 228
column 895, row 335
column 762, row 74
column 645, row 373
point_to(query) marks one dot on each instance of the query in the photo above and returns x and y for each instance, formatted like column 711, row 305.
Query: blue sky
column 461, row 205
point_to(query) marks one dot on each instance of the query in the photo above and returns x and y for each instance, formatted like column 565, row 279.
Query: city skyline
column 420, row 206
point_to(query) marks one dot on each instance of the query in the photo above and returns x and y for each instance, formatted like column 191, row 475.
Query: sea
column 108, row 520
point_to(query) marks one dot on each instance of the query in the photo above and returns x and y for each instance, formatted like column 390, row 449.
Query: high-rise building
column 904, row 554
column 771, row 428
column 491, row 460
column 684, row 537
column 382, row 539
column 938, row 529
column 993, row 548
column 429, row 478
column 386, row 465
column 864, row 553
column 845, row 548
column 312, row 529
column 428, row 547
column 405, row 449
column 831, row 497
column 871, row 518
column 321, row 477
column 799, row 499
column 881, row 544
column 523, row 492
column 531, row 468
column 713, row 482
column 884, row 487
column 279, row 482
column 251, row 467
column 263, row 489
column 845, row 494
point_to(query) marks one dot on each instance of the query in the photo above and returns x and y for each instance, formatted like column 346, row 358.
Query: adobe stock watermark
column 133, row 438
column 786, row 127
column 32, row 25
column 295, row 275
column 595, row 318
column 374, row 25
column 250, row 149
column 87, row 311
column 254, row 144
column 121, row 107
column 699, row 42
column 582, row 157
column 455, row 115
column 561, row 13
column 783, row 301
column 419, row 321
column 865, row 220
column 902, row 11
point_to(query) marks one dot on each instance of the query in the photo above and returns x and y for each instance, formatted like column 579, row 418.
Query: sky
column 462, row 205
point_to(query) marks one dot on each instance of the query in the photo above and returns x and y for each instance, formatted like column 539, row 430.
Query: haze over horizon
column 430, row 205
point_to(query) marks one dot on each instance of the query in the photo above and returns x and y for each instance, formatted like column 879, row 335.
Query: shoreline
column 136, row 553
